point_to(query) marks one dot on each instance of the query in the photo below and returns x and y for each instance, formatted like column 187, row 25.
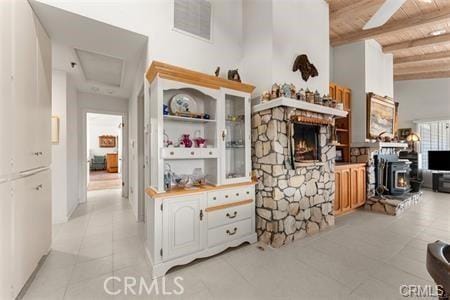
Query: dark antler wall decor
column 306, row 68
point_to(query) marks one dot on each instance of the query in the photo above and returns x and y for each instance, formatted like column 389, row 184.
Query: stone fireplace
column 294, row 163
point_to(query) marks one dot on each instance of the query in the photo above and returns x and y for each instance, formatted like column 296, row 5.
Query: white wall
column 364, row 68
column 256, row 64
column 134, row 139
column 275, row 32
column 65, row 153
column 426, row 99
column 379, row 70
column 301, row 27
column 349, row 71
column 59, row 151
column 96, row 128
column 72, row 147
column 153, row 19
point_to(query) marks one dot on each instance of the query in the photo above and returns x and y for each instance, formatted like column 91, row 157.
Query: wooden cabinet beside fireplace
column 350, row 180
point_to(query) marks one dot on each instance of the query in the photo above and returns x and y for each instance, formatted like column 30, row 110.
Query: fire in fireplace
column 306, row 142
column 398, row 181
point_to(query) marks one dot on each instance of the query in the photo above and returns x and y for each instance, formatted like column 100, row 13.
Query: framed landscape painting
column 381, row 116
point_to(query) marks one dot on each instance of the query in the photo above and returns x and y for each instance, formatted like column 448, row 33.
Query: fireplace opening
column 401, row 179
column 306, row 142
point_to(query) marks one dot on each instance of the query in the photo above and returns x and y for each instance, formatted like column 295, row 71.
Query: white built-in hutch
column 185, row 223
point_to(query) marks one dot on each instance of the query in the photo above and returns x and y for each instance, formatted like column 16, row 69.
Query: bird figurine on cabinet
column 306, row 68
column 234, row 75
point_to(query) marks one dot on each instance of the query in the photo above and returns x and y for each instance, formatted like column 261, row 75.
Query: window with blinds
column 433, row 136
column 193, row 17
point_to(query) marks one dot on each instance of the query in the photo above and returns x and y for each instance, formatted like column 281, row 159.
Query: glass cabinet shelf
column 187, row 119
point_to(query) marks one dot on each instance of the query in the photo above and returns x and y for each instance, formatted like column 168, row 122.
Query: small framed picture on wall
column 107, row 141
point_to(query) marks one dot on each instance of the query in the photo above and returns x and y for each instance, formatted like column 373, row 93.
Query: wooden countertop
column 151, row 192
column 349, row 165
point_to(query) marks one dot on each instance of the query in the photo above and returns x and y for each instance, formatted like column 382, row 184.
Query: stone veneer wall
column 289, row 202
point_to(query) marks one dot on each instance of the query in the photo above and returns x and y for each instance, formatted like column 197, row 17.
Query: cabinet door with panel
column 358, row 186
column 236, row 147
column 345, row 195
column 339, row 94
column 337, row 194
column 23, row 247
column 347, row 98
column 333, row 91
column 44, row 98
column 184, row 225
column 41, row 204
column 6, row 102
column 6, row 227
column 24, row 87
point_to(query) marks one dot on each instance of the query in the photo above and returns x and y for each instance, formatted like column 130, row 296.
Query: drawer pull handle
column 214, row 198
column 39, row 187
column 232, row 233
column 232, row 216
column 226, row 196
column 172, row 153
column 192, row 153
column 248, row 193
column 210, row 152
column 237, row 194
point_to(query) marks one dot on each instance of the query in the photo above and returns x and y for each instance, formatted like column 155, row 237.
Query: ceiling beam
column 424, row 75
column 421, row 68
column 393, row 26
column 422, row 58
column 432, row 40
column 357, row 8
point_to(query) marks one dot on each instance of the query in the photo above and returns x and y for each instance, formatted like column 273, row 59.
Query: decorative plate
column 183, row 103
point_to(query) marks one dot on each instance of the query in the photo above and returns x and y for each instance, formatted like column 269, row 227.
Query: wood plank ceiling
column 408, row 35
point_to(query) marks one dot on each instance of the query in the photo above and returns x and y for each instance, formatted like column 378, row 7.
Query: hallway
column 101, row 239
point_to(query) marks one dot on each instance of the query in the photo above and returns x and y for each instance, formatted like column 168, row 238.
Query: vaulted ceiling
column 418, row 34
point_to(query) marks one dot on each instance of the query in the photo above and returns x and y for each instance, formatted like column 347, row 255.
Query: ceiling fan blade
column 386, row 11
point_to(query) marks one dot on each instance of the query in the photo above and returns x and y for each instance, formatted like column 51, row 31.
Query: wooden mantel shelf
column 171, row 72
column 380, row 145
column 301, row 105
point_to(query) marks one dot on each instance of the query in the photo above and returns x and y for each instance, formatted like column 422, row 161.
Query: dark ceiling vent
column 193, row 17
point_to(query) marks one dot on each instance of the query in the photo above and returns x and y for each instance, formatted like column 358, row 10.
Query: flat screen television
column 439, row 160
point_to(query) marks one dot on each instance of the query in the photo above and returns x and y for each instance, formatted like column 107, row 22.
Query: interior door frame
column 140, row 146
column 82, row 160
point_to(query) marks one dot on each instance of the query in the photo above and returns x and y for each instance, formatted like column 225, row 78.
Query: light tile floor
column 365, row 256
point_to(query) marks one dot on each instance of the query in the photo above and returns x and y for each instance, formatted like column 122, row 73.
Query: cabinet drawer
column 186, row 153
column 229, row 215
column 229, row 232
column 231, row 195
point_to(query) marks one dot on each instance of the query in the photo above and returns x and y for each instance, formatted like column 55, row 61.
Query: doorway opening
column 104, row 151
